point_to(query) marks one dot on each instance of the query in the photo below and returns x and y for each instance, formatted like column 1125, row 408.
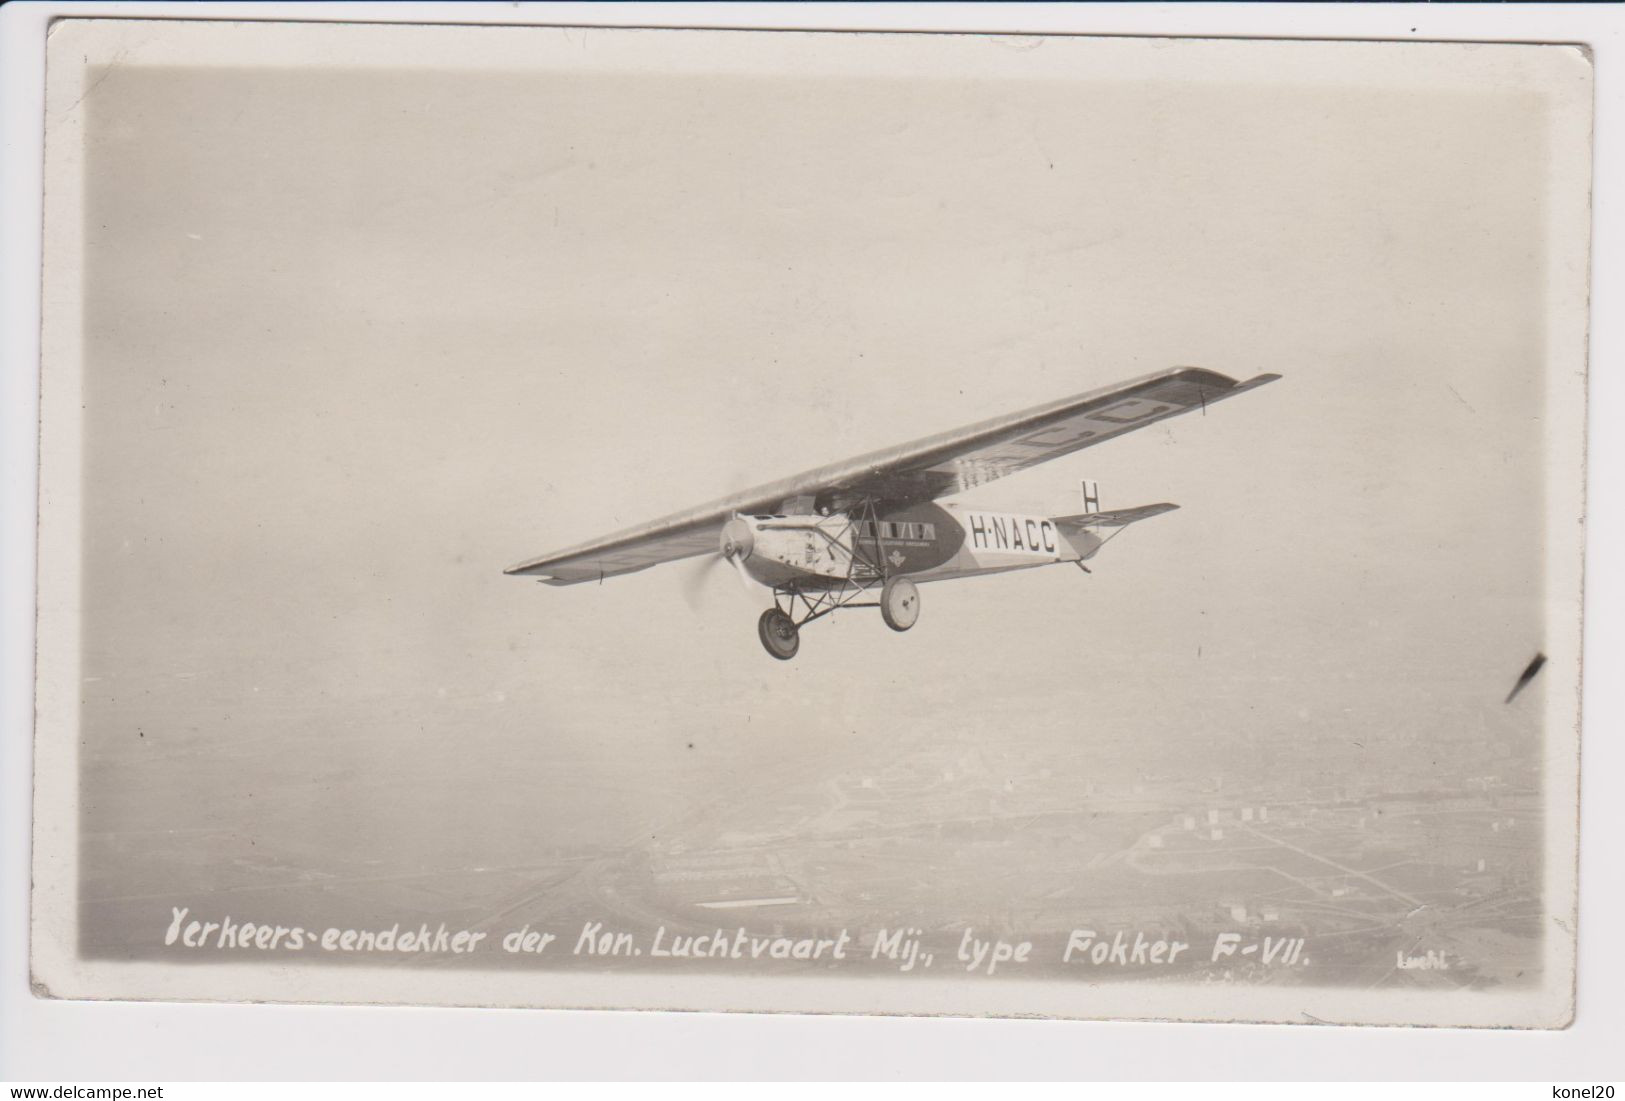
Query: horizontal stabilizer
column 1116, row 518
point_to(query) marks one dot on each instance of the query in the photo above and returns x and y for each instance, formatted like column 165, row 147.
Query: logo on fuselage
column 995, row 531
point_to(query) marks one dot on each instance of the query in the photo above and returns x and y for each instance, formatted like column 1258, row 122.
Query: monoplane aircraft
column 863, row 533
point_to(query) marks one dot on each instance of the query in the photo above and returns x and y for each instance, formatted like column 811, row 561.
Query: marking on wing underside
column 970, row 468
column 1069, row 433
column 1129, row 411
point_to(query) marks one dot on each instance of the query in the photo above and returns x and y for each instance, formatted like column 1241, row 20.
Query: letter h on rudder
column 1091, row 497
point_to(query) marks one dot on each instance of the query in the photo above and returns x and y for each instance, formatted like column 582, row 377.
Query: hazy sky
column 356, row 341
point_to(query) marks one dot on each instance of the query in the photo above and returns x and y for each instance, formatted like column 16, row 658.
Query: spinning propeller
column 733, row 547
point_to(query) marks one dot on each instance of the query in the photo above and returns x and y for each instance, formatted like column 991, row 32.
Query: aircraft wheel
column 899, row 603
column 779, row 633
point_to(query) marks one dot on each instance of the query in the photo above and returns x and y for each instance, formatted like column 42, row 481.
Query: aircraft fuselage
column 926, row 542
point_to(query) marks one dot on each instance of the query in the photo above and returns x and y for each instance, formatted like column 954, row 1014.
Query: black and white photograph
column 775, row 521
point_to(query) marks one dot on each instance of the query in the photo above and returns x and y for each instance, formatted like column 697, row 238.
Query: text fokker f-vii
column 864, row 532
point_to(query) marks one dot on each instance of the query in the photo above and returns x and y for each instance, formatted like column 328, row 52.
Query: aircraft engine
column 781, row 550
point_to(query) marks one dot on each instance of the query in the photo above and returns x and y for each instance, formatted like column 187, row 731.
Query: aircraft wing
column 937, row 466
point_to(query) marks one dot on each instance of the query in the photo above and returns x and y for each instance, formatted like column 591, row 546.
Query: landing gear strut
column 780, row 626
column 795, row 605
column 779, row 633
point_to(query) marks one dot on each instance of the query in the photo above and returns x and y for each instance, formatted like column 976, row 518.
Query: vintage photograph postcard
column 812, row 522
